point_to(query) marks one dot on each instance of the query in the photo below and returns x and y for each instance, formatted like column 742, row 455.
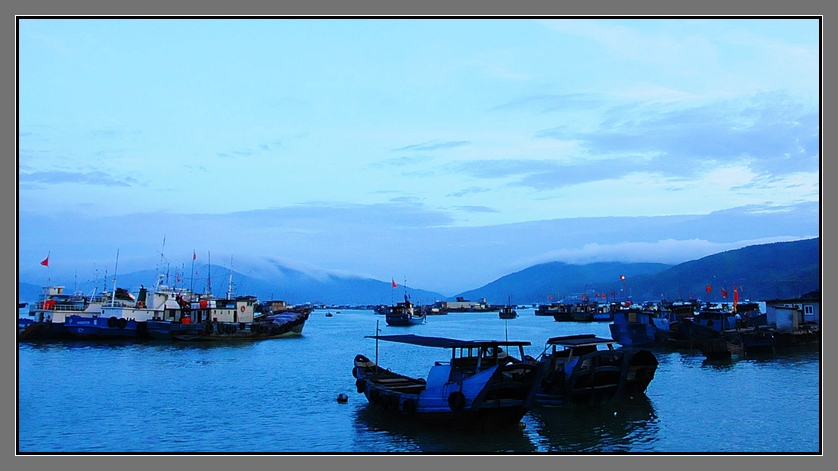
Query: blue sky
column 447, row 152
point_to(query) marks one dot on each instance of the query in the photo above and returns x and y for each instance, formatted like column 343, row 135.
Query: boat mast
column 377, row 330
column 209, row 279
column 230, row 286
column 113, row 294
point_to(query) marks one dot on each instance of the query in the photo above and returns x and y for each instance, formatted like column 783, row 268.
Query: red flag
column 194, row 256
column 735, row 297
column 708, row 289
column 45, row 262
column 394, row 284
column 724, row 293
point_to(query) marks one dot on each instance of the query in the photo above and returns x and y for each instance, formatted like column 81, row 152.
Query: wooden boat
column 588, row 369
column 508, row 312
column 479, row 386
column 228, row 319
column 402, row 314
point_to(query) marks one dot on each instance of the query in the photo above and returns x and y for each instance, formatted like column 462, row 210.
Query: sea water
column 280, row 396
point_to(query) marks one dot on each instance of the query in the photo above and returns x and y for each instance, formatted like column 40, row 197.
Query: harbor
column 693, row 405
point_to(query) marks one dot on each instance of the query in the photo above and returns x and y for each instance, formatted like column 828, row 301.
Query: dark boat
column 402, row 314
column 479, row 386
column 240, row 318
column 586, row 369
column 508, row 312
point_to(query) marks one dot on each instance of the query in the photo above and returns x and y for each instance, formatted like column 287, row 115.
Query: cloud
column 769, row 132
column 549, row 174
column 86, row 178
column 402, row 161
column 477, row 209
column 433, row 145
column 469, row 190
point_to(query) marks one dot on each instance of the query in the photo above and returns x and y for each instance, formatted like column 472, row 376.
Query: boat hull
column 29, row 330
column 105, row 328
column 290, row 325
column 597, row 378
column 496, row 397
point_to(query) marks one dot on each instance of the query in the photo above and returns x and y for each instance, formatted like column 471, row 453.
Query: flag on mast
column 394, row 283
column 45, row 262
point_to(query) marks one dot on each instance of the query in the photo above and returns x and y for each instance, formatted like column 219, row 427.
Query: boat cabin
column 563, row 353
column 467, row 357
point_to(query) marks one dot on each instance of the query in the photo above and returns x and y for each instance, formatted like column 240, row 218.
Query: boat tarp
column 577, row 340
column 443, row 342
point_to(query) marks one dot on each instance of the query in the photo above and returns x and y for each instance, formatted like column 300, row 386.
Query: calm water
column 280, row 396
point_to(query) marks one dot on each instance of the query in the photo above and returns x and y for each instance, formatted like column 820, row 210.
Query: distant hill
column 538, row 283
column 760, row 272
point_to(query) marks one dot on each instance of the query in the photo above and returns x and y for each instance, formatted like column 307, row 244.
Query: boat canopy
column 443, row 342
column 579, row 340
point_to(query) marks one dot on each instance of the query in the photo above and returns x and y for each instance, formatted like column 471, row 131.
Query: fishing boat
column 586, row 369
column 642, row 326
column 232, row 318
column 403, row 314
column 126, row 316
column 46, row 318
column 480, row 385
column 508, row 312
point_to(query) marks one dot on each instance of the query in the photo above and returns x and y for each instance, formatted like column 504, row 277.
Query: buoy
column 342, row 398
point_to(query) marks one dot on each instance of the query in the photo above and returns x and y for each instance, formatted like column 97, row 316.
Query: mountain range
column 760, row 272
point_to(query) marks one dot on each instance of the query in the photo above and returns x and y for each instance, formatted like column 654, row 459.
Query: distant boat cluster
column 160, row 313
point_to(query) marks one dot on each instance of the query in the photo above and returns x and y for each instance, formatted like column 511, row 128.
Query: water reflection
column 379, row 429
column 623, row 426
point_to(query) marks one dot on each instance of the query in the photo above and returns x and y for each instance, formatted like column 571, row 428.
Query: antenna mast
column 113, row 294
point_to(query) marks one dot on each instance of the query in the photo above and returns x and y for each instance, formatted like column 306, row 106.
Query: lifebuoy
column 360, row 385
column 409, row 406
column 112, row 322
column 121, row 323
column 456, row 401
column 140, row 304
column 242, row 309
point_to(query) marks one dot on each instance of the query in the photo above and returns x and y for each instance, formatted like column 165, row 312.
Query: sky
column 441, row 152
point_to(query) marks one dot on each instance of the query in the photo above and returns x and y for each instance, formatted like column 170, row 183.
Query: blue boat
column 651, row 324
column 104, row 328
column 479, row 386
column 45, row 319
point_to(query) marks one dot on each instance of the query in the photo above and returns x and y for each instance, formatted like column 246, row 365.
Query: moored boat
column 46, row 318
column 239, row 318
column 586, row 369
column 403, row 314
column 508, row 311
column 479, row 386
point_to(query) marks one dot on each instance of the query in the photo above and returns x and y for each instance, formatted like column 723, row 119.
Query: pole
column 113, row 294
column 376, row 347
